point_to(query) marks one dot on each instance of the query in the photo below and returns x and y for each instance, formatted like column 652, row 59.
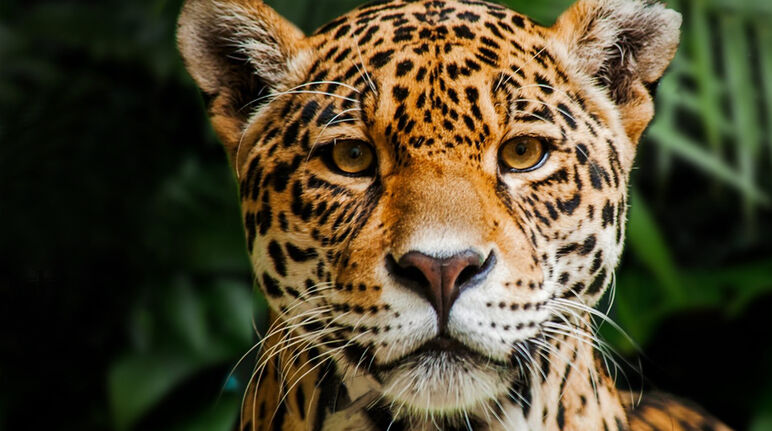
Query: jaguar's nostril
column 467, row 275
column 406, row 274
column 473, row 274
column 440, row 280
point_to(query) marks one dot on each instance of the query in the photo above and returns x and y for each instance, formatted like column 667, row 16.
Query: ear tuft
column 621, row 43
column 237, row 51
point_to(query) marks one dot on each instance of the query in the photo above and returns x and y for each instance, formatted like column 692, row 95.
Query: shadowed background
column 125, row 291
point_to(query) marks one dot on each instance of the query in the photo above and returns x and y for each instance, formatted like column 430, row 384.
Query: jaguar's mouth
column 444, row 344
column 443, row 376
column 443, row 348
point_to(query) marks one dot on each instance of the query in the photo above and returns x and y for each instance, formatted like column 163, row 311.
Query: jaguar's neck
column 569, row 389
column 572, row 389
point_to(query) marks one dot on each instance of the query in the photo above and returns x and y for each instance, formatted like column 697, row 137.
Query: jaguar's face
column 435, row 191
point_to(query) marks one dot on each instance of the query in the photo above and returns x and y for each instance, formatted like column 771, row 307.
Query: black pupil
column 355, row 152
column 521, row 149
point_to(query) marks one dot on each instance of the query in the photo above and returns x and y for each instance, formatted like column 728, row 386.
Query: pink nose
column 440, row 281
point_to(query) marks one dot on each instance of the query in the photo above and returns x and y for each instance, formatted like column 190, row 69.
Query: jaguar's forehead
column 432, row 72
column 478, row 35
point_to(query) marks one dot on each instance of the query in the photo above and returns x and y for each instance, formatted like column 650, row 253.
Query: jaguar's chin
column 444, row 378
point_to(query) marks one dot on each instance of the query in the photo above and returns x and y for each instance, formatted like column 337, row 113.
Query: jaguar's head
column 431, row 190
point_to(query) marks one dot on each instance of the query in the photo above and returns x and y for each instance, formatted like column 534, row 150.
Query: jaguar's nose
column 440, row 280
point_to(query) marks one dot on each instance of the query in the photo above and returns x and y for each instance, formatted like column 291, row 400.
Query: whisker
column 364, row 68
column 520, row 68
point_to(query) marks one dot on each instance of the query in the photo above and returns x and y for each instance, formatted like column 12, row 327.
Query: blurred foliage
column 183, row 335
column 123, row 240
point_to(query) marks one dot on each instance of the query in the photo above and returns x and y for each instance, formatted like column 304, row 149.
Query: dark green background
column 125, row 292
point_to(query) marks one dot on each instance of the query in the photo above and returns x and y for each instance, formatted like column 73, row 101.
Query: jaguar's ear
column 238, row 51
column 625, row 45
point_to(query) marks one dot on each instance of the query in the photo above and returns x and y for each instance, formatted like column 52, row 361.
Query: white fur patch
column 443, row 384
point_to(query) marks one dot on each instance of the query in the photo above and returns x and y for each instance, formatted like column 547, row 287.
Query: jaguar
column 434, row 196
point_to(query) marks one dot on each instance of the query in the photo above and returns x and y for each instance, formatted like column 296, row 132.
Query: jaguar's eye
column 352, row 157
column 522, row 154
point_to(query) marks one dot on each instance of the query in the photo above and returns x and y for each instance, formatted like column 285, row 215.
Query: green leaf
column 708, row 89
column 745, row 7
column 764, row 32
column 742, row 98
column 742, row 283
column 231, row 303
column 186, row 316
column 199, row 327
column 136, row 384
column 640, row 308
column 712, row 165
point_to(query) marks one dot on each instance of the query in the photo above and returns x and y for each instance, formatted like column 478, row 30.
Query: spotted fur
column 435, row 87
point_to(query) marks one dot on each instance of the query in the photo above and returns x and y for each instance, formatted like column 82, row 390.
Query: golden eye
column 352, row 157
column 522, row 154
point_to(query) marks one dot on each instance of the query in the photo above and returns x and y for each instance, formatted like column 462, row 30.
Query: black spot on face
column 597, row 284
column 597, row 260
column 404, row 67
column 343, row 55
column 249, row 225
column 607, row 214
column 278, row 258
column 271, row 286
column 309, row 111
column 265, row 215
column 581, row 153
column 567, row 115
column 403, row 34
column 588, row 245
column 468, row 16
column 342, row 31
column 327, row 115
column 381, row 59
column 488, row 56
column 281, row 173
column 291, row 134
column 463, row 32
column 400, row 93
column 369, row 35
column 544, row 84
column 595, row 178
column 301, row 255
column 561, row 415
column 569, row 206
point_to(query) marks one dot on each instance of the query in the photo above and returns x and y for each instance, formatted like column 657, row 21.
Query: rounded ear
column 238, row 51
column 625, row 45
